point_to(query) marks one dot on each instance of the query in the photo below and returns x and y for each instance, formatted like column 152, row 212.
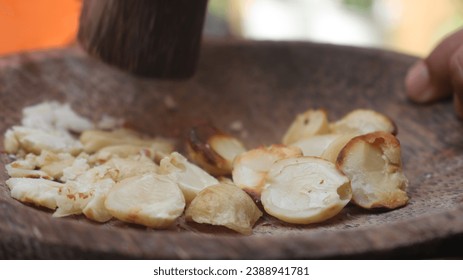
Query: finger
column 458, row 103
column 456, row 74
column 429, row 79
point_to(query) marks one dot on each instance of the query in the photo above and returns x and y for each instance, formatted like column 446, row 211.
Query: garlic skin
column 305, row 190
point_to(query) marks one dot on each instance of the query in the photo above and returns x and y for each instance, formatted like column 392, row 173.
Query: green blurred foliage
column 218, row 8
column 362, row 5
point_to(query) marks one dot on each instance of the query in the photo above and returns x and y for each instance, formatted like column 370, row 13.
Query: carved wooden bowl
column 262, row 85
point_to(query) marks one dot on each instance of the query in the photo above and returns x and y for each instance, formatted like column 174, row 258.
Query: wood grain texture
column 154, row 38
column 263, row 85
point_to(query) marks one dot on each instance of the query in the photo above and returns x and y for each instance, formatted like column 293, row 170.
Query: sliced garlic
column 373, row 164
column 315, row 145
column 332, row 151
column 224, row 205
column 305, row 190
column 250, row 168
column 213, row 149
column 39, row 192
column 94, row 140
column 307, row 124
column 190, row 178
column 362, row 121
column 151, row 200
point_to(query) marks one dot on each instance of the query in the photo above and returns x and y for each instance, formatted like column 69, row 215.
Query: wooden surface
column 263, row 85
column 154, row 38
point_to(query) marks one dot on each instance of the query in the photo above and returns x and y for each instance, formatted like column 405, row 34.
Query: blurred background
column 409, row 26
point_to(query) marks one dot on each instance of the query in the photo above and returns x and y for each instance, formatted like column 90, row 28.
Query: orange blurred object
column 37, row 24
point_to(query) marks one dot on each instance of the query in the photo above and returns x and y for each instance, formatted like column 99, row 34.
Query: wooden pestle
column 154, row 38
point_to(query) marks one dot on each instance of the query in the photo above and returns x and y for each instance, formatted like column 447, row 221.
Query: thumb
column 430, row 79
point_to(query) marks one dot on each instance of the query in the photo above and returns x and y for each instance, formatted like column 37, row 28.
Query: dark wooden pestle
column 154, row 38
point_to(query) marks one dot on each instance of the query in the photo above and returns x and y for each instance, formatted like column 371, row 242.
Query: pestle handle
column 154, row 38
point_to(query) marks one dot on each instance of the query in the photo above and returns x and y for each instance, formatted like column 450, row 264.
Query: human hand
column 439, row 75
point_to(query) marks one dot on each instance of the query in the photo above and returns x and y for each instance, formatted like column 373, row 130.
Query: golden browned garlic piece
column 213, row 149
column 305, row 190
column 151, row 200
column 250, row 168
column 307, row 124
column 224, row 205
column 362, row 121
column 373, row 164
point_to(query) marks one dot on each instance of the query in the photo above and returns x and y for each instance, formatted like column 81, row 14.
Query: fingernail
column 418, row 83
column 458, row 106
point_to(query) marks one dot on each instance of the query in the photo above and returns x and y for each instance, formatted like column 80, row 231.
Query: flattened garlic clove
column 224, row 205
column 95, row 209
column 151, row 200
column 54, row 115
column 190, row 178
column 26, row 168
column 362, row 121
column 95, row 140
column 78, row 167
column 128, row 167
column 39, row 192
column 373, row 164
column 307, row 124
column 25, row 173
column 10, row 143
column 250, row 168
column 305, row 190
column 35, row 141
column 54, row 163
column 123, row 151
column 72, row 198
column 315, row 145
column 213, row 149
